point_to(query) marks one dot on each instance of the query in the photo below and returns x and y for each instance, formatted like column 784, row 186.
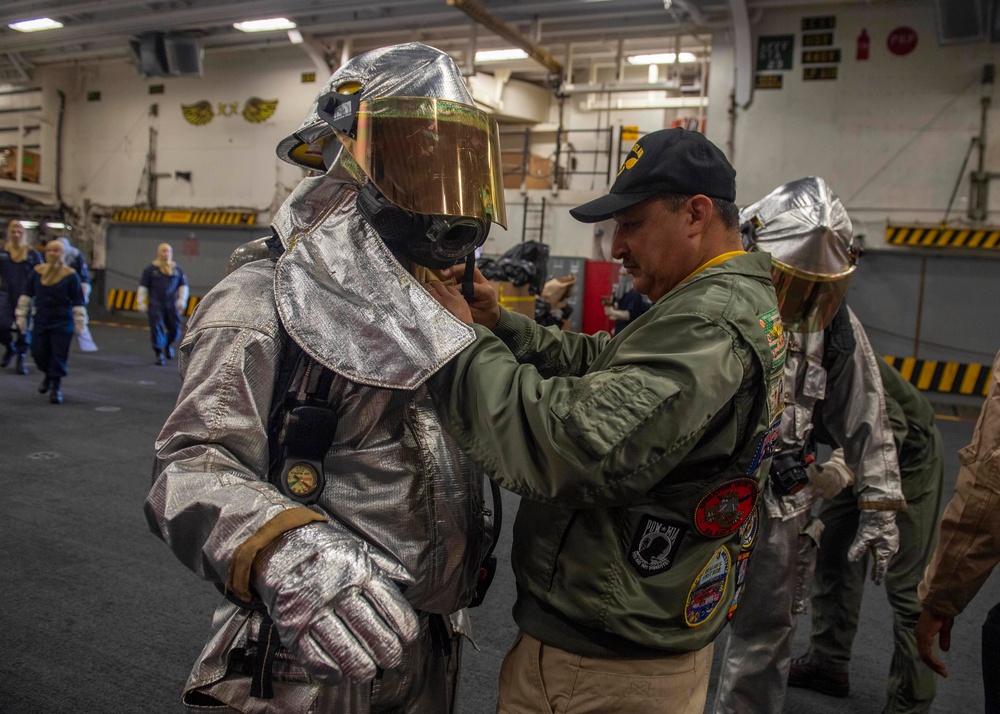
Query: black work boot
column 55, row 395
column 20, row 367
column 7, row 357
column 805, row 675
column 44, row 386
column 159, row 357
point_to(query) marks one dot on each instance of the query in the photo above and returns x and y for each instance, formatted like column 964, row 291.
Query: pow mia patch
column 654, row 546
column 707, row 589
column 724, row 509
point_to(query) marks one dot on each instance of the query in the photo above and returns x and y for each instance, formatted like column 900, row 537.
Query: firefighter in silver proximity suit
column 360, row 559
column 833, row 395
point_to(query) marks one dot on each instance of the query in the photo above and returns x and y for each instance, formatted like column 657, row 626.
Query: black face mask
column 436, row 242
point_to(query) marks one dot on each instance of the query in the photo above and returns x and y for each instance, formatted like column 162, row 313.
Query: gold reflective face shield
column 808, row 302
column 431, row 156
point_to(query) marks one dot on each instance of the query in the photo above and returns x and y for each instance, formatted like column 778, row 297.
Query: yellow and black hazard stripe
column 943, row 237
column 127, row 299
column 944, row 377
column 212, row 218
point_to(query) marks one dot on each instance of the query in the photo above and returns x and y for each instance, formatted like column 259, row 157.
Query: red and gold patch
column 724, row 509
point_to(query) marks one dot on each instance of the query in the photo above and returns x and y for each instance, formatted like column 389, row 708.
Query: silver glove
column 335, row 607
column 878, row 533
column 831, row 477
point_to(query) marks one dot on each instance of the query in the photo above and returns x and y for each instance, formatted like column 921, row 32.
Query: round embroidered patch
column 748, row 530
column 707, row 589
column 725, row 508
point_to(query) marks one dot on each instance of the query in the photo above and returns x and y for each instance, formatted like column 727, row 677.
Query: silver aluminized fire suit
column 850, row 404
column 400, row 498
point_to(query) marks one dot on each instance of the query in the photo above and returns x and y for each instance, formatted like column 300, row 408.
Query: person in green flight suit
column 838, row 585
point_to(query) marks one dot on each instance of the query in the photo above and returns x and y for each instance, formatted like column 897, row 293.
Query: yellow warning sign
column 943, row 237
column 217, row 218
column 945, row 377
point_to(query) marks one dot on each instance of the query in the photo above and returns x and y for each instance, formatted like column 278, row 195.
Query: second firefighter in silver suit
column 363, row 578
column 833, row 393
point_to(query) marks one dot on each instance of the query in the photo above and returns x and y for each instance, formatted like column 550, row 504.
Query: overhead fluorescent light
column 274, row 23
column 662, row 58
column 295, row 37
column 500, row 55
column 56, row 226
column 42, row 23
column 29, row 224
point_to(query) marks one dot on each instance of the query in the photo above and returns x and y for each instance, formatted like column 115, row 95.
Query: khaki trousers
column 540, row 679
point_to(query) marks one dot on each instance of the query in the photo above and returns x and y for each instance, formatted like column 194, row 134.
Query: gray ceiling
column 597, row 30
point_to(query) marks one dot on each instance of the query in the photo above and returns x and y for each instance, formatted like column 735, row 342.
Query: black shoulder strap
column 839, row 342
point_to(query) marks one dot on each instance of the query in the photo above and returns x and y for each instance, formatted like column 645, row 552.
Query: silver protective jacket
column 853, row 409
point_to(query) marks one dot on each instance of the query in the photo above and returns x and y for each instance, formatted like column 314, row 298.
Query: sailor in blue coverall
column 17, row 261
column 59, row 312
column 163, row 295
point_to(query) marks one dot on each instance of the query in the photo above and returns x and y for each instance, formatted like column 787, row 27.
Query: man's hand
column 613, row 314
column 451, row 298
column 484, row 306
column 928, row 627
column 878, row 533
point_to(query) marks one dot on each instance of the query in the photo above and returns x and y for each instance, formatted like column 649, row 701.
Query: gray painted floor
column 98, row 616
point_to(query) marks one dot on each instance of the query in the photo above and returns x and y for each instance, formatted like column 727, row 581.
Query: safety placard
column 820, row 56
column 817, row 39
column 826, row 22
column 810, row 74
column 775, row 52
column 767, row 81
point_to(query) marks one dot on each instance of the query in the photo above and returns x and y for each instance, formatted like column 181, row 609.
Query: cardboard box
column 29, row 169
column 516, row 298
column 538, row 174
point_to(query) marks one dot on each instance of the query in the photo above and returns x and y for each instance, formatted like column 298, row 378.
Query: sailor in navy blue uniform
column 17, row 260
column 55, row 290
column 163, row 295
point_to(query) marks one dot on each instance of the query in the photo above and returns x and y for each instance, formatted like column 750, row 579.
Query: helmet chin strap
column 468, row 278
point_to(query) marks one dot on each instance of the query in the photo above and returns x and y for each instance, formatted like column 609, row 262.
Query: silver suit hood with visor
column 806, row 229
column 400, row 334
column 416, row 133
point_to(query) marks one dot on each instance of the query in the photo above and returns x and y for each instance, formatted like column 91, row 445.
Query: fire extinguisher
column 864, row 42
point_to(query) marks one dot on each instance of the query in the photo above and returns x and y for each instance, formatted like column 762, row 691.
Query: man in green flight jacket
column 639, row 458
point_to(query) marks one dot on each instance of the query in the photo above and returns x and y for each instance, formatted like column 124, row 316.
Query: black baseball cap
column 665, row 161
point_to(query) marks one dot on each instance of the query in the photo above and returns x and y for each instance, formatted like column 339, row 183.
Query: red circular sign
column 902, row 41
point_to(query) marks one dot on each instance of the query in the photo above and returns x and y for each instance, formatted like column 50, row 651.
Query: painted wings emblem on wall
column 258, row 110
column 198, row 114
column 255, row 111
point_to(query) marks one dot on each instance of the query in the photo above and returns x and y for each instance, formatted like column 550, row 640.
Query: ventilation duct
column 963, row 21
column 159, row 54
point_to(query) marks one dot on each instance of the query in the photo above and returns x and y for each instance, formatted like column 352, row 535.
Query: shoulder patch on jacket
column 724, row 509
column 708, row 588
column 654, row 546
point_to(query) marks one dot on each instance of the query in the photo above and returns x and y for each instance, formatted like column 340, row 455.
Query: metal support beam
column 493, row 23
